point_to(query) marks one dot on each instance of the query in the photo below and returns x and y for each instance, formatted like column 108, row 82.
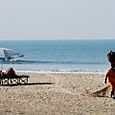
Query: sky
column 57, row 19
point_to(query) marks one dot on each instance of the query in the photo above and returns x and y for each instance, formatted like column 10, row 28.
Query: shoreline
column 29, row 71
column 78, row 72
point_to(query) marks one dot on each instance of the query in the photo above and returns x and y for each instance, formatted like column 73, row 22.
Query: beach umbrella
column 8, row 54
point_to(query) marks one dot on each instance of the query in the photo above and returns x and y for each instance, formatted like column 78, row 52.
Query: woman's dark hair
column 111, row 56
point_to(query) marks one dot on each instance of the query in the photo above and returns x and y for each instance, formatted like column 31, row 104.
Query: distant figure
column 9, row 71
column 111, row 79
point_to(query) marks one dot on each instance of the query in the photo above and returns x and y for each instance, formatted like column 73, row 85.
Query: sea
column 59, row 55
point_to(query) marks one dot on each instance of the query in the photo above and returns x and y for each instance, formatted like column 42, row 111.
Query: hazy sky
column 57, row 19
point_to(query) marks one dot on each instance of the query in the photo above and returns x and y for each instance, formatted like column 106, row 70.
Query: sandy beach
column 56, row 94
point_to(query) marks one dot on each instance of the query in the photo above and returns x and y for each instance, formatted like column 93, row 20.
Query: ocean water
column 60, row 55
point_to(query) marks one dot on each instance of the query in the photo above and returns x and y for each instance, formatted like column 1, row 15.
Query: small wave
column 47, row 62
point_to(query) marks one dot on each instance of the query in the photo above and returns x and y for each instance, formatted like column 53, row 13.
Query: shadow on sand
column 42, row 83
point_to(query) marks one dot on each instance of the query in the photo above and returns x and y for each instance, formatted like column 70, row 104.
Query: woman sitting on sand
column 111, row 79
column 111, row 73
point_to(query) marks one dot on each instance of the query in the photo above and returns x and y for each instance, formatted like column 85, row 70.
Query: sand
column 56, row 94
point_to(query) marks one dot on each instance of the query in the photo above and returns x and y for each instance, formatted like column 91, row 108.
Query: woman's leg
column 112, row 93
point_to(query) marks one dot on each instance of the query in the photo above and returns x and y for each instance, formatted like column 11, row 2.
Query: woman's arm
column 106, row 78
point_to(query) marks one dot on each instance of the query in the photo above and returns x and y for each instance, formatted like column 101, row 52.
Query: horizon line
column 35, row 39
